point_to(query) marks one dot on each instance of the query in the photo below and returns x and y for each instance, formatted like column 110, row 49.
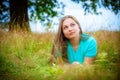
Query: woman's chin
column 71, row 37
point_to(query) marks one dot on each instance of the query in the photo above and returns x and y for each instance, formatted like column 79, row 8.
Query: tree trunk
column 19, row 15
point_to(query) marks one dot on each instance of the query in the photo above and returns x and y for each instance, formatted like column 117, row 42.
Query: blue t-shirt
column 87, row 48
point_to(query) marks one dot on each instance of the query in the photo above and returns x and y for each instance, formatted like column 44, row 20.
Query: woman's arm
column 89, row 60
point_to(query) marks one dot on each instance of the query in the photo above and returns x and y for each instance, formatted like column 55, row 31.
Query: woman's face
column 70, row 28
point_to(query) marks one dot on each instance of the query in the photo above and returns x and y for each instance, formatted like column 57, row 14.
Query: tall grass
column 25, row 56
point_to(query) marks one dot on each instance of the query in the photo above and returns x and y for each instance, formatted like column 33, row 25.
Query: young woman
column 71, row 45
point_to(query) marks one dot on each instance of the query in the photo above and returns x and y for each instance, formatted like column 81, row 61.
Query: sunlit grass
column 25, row 56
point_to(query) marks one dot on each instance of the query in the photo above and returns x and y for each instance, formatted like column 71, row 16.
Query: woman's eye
column 65, row 27
column 72, row 25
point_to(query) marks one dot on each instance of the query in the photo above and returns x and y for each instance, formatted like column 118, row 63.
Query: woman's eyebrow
column 64, row 25
column 72, row 23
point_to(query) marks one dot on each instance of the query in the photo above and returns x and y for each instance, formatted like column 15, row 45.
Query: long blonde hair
column 60, row 40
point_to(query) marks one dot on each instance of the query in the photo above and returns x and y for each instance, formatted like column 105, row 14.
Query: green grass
column 25, row 56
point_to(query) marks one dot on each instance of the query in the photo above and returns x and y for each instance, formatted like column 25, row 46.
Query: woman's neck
column 75, row 42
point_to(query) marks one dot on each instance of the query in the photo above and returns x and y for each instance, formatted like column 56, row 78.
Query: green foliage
column 44, row 9
column 91, row 6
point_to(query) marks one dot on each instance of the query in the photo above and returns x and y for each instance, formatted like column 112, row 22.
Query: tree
column 91, row 6
column 18, row 15
column 43, row 10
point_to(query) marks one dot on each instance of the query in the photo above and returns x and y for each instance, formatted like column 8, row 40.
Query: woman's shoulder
column 87, row 38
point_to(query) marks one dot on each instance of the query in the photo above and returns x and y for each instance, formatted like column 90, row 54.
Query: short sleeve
column 92, row 48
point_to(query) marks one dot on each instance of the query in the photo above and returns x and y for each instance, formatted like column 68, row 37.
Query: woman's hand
column 75, row 62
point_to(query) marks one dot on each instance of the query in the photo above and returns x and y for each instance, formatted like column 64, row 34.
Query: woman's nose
column 69, row 28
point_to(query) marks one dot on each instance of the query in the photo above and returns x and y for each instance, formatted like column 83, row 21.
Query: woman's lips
column 71, row 33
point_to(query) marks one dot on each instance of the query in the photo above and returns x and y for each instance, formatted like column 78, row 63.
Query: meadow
column 25, row 56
